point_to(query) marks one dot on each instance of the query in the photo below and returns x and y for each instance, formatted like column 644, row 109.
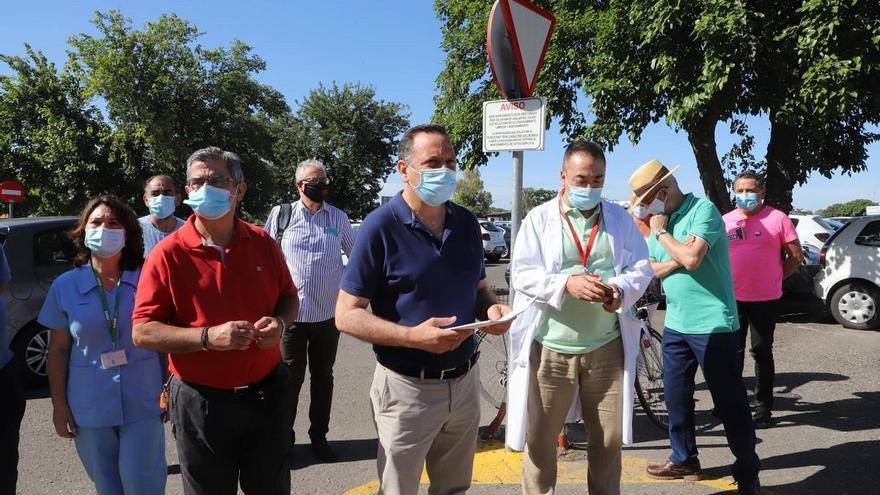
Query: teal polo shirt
column 701, row 301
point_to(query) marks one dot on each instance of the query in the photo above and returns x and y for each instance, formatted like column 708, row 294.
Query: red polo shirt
column 187, row 284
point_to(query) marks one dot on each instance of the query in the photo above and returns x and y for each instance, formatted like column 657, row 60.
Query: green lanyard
column 111, row 322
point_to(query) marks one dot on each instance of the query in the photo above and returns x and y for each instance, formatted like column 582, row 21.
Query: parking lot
column 827, row 439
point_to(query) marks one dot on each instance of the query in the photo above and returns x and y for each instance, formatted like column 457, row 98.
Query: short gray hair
column 404, row 148
column 307, row 164
column 233, row 162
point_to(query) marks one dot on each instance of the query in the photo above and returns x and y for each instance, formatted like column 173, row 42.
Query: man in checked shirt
column 312, row 234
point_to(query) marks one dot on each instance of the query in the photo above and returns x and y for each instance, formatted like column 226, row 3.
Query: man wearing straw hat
column 688, row 248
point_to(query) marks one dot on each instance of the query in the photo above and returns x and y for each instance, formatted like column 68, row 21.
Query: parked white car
column 849, row 278
column 493, row 241
column 812, row 229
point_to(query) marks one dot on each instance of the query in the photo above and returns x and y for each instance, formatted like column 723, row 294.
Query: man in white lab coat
column 586, row 263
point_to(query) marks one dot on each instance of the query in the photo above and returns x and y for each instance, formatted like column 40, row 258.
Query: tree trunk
column 781, row 160
column 701, row 135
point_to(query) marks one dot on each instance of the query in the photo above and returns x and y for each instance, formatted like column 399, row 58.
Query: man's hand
column 658, row 222
column 585, row 288
column 429, row 336
column 62, row 419
column 267, row 331
column 495, row 312
column 615, row 302
column 231, row 336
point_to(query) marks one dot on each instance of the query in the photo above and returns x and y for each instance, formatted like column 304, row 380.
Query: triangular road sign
column 529, row 28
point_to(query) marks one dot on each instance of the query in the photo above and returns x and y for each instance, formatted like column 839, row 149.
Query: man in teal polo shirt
column 689, row 252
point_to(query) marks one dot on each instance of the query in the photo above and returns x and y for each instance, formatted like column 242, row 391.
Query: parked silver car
column 38, row 250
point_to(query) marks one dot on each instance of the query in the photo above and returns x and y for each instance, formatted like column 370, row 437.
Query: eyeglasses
column 315, row 180
column 215, row 181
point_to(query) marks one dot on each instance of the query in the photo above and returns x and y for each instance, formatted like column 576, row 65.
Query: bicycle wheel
column 493, row 367
column 649, row 378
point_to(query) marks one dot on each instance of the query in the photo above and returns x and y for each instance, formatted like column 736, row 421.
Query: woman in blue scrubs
column 105, row 391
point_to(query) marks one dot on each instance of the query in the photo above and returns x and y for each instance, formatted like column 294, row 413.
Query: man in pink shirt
column 764, row 250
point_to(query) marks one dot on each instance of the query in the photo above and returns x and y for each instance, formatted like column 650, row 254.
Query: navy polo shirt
column 409, row 276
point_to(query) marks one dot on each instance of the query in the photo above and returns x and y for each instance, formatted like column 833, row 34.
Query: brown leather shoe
column 670, row 471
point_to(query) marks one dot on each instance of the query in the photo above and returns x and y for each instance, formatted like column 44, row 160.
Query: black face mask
column 316, row 191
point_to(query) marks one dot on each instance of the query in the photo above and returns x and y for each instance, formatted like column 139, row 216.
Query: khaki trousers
column 430, row 423
column 597, row 377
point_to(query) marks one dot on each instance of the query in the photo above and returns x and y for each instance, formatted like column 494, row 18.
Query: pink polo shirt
column 756, row 252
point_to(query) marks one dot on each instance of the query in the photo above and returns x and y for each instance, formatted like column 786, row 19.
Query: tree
column 352, row 132
column 811, row 70
column 470, row 193
column 51, row 139
column 533, row 197
column 166, row 96
column 854, row 208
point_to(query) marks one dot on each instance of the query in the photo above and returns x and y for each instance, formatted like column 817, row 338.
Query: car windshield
column 491, row 227
column 825, row 225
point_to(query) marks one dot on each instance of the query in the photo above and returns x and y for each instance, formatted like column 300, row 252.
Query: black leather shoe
column 762, row 419
column 323, row 451
column 752, row 488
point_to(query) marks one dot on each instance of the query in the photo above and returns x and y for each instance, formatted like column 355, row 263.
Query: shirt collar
column 192, row 239
column 85, row 280
column 299, row 205
column 686, row 204
column 404, row 214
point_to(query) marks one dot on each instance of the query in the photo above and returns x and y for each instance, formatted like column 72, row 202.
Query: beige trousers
column 430, row 423
column 597, row 377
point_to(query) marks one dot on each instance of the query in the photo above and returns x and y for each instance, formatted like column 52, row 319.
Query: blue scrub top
column 5, row 277
column 102, row 397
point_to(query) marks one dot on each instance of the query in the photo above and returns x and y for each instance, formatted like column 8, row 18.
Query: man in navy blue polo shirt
column 418, row 261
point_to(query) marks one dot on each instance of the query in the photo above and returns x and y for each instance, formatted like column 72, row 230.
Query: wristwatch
column 659, row 233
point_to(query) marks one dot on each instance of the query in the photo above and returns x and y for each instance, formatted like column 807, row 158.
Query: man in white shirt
column 161, row 198
column 313, row 235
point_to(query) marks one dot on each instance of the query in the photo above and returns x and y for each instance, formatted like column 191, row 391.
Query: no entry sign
column 11, row 192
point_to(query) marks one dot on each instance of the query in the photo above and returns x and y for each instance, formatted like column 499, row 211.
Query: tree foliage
column 533, row 197
column 352, row 133
column 131, row 103
column 470, row 193
column 854, row 208
column 811, row 69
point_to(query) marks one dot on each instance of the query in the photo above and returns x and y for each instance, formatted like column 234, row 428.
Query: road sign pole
column 516, row 208
column 10, row 211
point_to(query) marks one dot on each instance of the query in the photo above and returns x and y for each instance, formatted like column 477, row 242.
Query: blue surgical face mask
column 209, row 202
column 436, row 185
column 104, row 242
column 162, row 206
column 584, row 198
column 748, row 201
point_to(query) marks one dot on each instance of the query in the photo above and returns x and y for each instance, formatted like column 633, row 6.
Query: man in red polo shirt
column 216, row 295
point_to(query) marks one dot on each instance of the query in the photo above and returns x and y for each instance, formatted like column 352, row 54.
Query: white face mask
column 657, row 207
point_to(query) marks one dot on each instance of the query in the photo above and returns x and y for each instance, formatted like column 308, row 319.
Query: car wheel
column 854, row 305
column 493, row 258
column 31, row 348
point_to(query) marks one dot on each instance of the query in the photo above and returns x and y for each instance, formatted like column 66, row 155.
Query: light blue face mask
column 103, row 242
column 436, row 186
column 162, row 206
column 748, row 201
column 209, row 202
column 584, row 198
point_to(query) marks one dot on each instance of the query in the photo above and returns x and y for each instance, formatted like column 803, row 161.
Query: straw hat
column 647, row 177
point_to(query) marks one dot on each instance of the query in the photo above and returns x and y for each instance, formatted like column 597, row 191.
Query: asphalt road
column 827, row 439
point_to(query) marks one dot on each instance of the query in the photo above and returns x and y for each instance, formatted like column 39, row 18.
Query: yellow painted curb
column 493, row 465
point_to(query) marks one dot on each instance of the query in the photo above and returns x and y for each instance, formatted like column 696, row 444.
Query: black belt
column 429, row 374
column 256, row 389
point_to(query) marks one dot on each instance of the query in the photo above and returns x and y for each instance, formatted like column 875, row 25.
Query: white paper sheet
column 508, row 317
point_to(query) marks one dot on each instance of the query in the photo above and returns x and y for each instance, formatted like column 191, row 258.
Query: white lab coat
column 535, row 265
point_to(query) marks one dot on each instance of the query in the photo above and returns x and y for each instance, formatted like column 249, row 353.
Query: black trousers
column 312, row 344
column 758, row 319
column 224, row 439
column 11, row 413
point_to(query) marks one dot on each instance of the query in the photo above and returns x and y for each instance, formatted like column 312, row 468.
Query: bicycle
column 648, row 381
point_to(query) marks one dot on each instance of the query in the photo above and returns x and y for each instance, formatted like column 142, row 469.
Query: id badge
column 114, row 359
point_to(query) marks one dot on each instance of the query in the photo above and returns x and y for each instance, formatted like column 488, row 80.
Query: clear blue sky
column 393, row 45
